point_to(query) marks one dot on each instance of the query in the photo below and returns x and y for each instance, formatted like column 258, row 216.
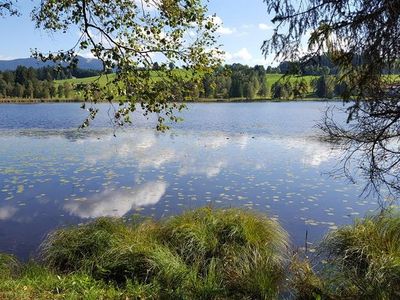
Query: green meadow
column 271, row 79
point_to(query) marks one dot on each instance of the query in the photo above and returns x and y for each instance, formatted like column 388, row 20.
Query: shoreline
column 232, row 100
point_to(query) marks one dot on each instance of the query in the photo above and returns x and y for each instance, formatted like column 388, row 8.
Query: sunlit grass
column 359, row 261
column 37, row 282
column 201, row 254
column 365, row 257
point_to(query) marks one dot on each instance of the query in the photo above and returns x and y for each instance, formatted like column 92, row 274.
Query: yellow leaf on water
column 20, row 189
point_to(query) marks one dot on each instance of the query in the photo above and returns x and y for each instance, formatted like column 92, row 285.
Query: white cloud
column 259, row 61
column 86, row 54
column 264, row 26
column 243, row 55
column 156, row 158
column 213, row 142
column 247, row 26
column 5, row 57
column 225, row 30
column 222, row 29
column 242, row 141
column 147, row 152
column 227, row 56
column 117, row 204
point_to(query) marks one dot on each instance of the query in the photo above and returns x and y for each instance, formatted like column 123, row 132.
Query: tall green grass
column 359, row 261
column 201, row 254
column 9, row 265
column 365, row 258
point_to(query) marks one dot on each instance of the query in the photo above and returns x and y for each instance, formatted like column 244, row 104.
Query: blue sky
column 244, row 26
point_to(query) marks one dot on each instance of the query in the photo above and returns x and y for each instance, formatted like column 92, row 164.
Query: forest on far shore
column 316, row 79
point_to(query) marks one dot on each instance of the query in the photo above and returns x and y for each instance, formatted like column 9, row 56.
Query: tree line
column 323, row 64
column 234, row 81
column 241, row 81
column 39, row 83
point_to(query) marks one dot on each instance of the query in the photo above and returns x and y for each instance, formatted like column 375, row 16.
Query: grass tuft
column 240, row 250
column 361, row 261
column 9, row 265
column 203, row 254
column 366, row 256
column 80, row 248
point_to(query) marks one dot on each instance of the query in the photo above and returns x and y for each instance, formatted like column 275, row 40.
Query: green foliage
column 300, row 88
column 361, row 41
column 264, row 90
column 239, row 245
column 33, row 83
column 8, row 7
column 80, row 248
column 360, row 37
column 230, row 82
column 325, row 87
column 134, row 39
column 67, row 89
column 204, row 253
column 282, row 90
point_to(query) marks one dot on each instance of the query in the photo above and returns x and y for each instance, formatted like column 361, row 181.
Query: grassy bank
column 207, row 254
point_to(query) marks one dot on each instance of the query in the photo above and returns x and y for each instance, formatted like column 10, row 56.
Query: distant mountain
column 11, row 65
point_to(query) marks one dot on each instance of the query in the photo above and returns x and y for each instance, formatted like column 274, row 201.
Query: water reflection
column 56, row 177
column 7, row 212
column 313, row 152
column 115, row 203
column 206, row 155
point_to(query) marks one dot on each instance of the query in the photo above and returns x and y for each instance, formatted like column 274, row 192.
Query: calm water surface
column 259, row 156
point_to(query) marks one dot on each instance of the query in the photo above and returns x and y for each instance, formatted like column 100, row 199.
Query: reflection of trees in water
column 71, row 135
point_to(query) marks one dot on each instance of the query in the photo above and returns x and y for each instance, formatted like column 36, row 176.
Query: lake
column 260, row 156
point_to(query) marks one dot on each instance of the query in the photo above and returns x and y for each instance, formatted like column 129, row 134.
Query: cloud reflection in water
column 209, row 153
column 117, row 203
column 7, row 212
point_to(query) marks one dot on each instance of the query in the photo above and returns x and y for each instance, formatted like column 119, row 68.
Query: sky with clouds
column 244, row 25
